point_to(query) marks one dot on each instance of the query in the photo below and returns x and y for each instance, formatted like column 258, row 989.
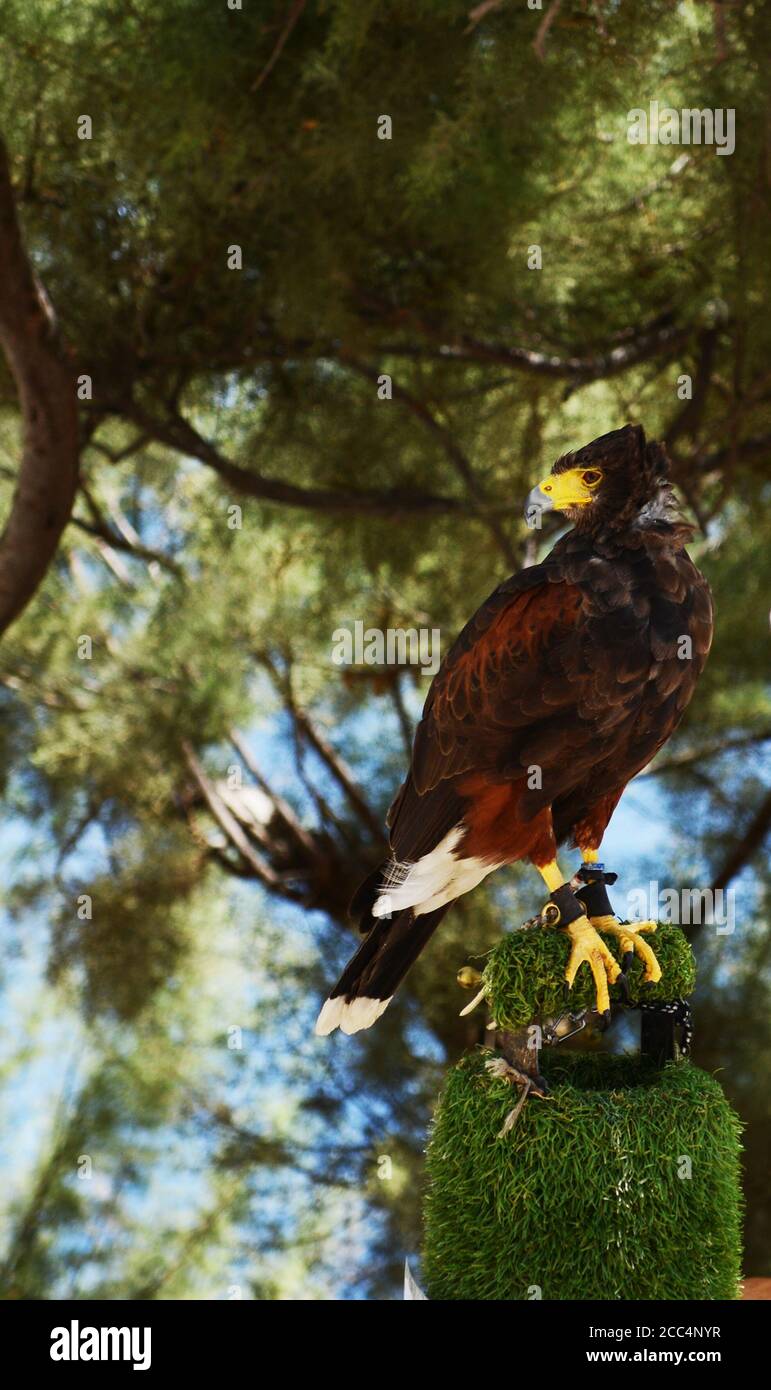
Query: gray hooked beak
column 537, row 503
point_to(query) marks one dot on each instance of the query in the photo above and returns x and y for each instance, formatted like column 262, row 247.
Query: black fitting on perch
column 658, row 1022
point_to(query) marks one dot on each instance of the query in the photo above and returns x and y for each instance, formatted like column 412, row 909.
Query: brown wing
column 572, row 668
column 505, row 675
column 678, row 624
column 520, row 687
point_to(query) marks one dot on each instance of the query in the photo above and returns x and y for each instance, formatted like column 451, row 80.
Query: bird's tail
column 371, row 977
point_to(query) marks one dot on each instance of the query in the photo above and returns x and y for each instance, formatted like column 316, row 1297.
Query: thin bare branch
column 637, row 345
column 748, row 846
column 459, row 460
column 405, row 723
column 119, row 455
column 686, row 757
column 121, row 537
column 539, row 42
column 294, row 14
column 479, row 12
column 283, row 810
column 688, row 418
column 334, row 761
column 178, row 434
column 228, row 823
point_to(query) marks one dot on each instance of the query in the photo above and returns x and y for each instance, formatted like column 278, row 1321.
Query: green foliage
column 524, row 978
column 135, row 941
column 582, row 1197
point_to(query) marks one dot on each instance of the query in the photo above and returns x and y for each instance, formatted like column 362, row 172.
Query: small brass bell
column 468, row 977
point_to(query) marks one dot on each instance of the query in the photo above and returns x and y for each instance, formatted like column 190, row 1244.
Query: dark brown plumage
column 563, row 686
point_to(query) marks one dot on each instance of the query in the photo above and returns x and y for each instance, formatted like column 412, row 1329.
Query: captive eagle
column 561, row 688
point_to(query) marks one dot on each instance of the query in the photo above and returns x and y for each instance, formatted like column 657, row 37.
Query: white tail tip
column 350, row 1016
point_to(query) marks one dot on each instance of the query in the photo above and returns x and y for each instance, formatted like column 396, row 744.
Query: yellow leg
column 628, row 933
column 587, row 946
column 551, row 875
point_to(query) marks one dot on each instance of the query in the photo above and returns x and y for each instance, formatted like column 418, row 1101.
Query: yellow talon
column 589, row 947
column 629, row 940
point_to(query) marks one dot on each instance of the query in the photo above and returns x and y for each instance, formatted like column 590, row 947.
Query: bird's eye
column 592, row 477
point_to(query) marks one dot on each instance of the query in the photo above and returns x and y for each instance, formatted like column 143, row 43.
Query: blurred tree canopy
column 192, row 788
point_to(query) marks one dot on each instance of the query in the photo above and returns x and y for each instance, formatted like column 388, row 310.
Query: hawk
column 561, row 688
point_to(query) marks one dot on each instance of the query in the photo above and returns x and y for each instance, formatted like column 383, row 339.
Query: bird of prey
column 561, row 688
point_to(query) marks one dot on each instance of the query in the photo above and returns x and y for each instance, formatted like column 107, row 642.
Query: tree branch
column 125, row 539
column 686, row 757
column 539, row 42
column 638, row 346
column 459, row 460
column 751, row 841
column 334, row 761
column 740, row 451
column 281, row 806
column 45, row 383
column 179, row 434
column 687, row 420
column 228, row 823
column 292, row 18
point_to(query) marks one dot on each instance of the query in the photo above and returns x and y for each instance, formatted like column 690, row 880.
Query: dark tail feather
column 374, row 973
column 363, row 899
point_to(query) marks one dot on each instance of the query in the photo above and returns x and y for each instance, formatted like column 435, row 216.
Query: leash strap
column 593, row 894
column 568, row 906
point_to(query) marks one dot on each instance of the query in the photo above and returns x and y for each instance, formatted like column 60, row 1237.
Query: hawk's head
column 607, row 483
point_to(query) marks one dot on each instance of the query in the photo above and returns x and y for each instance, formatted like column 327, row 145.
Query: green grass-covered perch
column 583, row 1198
column 623, row 1184
column 524, row 977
